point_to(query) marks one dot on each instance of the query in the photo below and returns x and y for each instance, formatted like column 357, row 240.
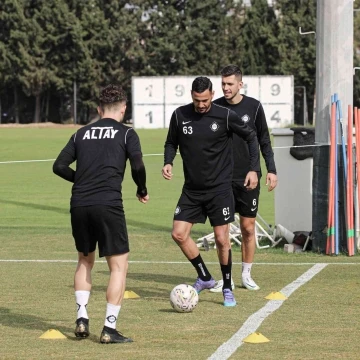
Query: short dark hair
column 111, row 96
column 200, row 84
column 231, row 70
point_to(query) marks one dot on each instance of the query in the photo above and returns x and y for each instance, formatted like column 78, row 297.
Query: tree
column 13, row 30
column 91, row 44
column 47, row 46
column 259, row 34
column 41, row 48
column 188, row 37
column 297, row 53
column 34, row 74
column 4, row 72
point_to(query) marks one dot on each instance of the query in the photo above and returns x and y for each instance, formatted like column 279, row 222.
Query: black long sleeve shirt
column 205, row 144
column 101, row 150
column 252, row 113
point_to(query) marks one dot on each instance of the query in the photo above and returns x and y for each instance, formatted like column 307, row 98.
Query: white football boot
column 219, row 285
column 249, row 283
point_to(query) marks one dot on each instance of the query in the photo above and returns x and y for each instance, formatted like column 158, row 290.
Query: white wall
column 293, row 194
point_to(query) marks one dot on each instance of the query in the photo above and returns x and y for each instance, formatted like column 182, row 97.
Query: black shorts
column 246, row 201
column 100, row 224
column 195, row 207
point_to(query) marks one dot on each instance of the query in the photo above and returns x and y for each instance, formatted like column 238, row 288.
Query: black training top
column 205, row 143
column 252, row 113
column 101, row 150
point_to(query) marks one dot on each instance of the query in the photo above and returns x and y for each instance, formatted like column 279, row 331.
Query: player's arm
column 265, row 147
column 240, row 128
column 170, row 148
column 66, row 157
column 138, row 171
column 264, row 140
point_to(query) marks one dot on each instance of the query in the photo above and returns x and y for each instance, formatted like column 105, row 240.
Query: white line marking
column 171, row 262
column 24, row 161
column 275, row 147
column 30, row 161
column 255, row 320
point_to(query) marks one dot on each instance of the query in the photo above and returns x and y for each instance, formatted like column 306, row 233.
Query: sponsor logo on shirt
column 245, row 118
column 214, row 126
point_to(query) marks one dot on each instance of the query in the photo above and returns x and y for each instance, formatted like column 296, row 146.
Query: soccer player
column 252, row 113
column 101, row 150
column 203, row 130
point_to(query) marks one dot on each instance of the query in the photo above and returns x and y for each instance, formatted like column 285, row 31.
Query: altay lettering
column 100, row 133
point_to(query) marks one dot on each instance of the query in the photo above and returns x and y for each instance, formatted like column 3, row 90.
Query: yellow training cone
column 130, row 295
column 256, row 338
column 52, row 334
column 276, row 296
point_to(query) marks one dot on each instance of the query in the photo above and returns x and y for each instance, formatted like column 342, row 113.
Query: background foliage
column 47, row 45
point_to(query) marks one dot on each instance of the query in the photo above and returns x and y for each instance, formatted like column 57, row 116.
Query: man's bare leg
column 248, row 247
column 225, row 259
column 118, row 266
column 181, row 235
column 82, row 287
column 82, row 278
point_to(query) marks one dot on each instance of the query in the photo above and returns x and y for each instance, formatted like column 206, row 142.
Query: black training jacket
column 101, row 150
column 205, row 145
column 252, row 113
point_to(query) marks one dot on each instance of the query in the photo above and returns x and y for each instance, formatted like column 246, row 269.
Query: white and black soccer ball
column 184, row 298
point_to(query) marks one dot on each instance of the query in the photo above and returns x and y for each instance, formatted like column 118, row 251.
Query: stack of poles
column 332, row 244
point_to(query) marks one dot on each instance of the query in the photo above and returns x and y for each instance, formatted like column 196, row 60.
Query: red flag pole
column 349, row 187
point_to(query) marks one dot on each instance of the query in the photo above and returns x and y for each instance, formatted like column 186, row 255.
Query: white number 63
column 187, row 130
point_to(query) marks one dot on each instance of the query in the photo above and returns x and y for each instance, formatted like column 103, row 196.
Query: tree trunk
column 37, row 109
column 16, row 106
column 47, row 106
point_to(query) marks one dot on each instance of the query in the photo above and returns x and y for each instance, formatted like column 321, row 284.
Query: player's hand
column 251, row 180
column 167, row 172
column 144, row 199
column 271, row 181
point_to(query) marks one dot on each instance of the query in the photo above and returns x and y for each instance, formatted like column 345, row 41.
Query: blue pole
column 340, row 118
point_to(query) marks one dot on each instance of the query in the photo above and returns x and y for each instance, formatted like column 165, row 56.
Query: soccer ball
column 184, row 298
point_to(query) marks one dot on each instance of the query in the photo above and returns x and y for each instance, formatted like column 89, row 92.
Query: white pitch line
column 97, row 261
column 24, row 161
column 172, row 262
column 45, row 160
column 274, row 147
column 255, row 320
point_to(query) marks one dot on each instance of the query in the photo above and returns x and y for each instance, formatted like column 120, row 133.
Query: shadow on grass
column 36, row 206
column 31, row 322
column 151, row 288
column 27, row 321
column 129, row 222
column 169, row 311
column 201, row 302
